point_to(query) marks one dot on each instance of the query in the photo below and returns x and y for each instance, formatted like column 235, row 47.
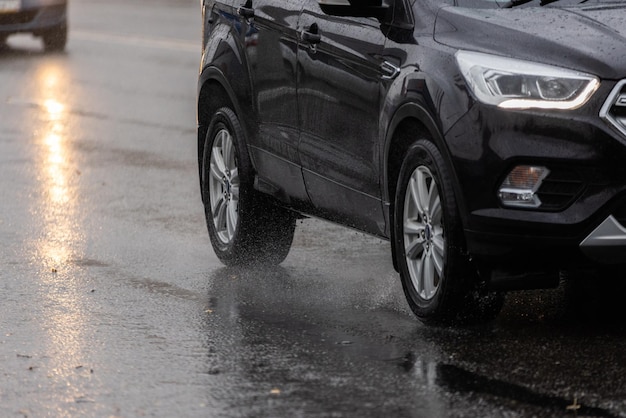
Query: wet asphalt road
column 112, row 303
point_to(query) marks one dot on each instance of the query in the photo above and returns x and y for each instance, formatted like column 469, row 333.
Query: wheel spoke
column 231, row 220
column 228, row 152
column 423, row 191
column 421, row 280
column 414, row 193
column 428, row 276
column 216, row 173
column 219, row 215
column 439, row 243
column 414, row 249
column 218, row 167
column 234, row 176
column 217, row 197
column 433, row 196
column 438, row 254
column 234, row 191
column 413, row 228
column 436, row 210
column 234, row 184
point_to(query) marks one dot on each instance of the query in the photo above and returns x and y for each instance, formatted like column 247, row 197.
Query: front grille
column 614, row 109
column 17, row 18
column 559, row 189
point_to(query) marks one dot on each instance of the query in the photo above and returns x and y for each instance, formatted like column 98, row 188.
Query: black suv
column 43, row 18
column 485, row 139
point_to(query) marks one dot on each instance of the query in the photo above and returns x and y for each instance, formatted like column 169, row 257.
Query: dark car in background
column 485, row 139
column 42, row 18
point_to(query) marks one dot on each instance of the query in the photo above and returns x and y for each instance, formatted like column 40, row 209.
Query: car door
column 339, row 101
column 270, row 31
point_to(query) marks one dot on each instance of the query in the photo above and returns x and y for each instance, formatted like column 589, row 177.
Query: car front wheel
column 244, row 226
column 439, row 281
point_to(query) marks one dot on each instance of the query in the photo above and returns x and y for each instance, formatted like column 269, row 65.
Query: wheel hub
column 427, row 233
column 227, row 188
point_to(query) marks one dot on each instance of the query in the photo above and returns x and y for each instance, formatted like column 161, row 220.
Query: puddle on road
column 456, row 379
column 322, row 347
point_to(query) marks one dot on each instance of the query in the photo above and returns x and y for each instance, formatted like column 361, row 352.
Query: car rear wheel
column 244, row 226
column 439, row 281
column 55, row 40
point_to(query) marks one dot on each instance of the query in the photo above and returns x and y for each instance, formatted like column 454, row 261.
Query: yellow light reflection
column 59, row 205
column 59, row 197
column 62, row 239
column 50, row 78
column 55, row 109
column 58, row 190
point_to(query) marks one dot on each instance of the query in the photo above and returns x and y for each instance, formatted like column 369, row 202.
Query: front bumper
column 556, row 240
column 607, row 243
column 581, row 220
column 33, row 19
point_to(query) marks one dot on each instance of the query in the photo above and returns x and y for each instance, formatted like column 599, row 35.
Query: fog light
column 519, row 187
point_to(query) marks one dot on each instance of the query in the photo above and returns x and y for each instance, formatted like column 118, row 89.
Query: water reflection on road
column 294, row 339
column 61, row 240
column 57, row 176
column 282, row 339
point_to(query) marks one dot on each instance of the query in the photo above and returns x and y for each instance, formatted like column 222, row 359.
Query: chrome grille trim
column 607, row 243
column 617, row 99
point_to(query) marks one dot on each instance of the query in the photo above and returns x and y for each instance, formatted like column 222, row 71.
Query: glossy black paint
column 271, row 41
column 327, row 129
column 339, row 99
column 588, row 38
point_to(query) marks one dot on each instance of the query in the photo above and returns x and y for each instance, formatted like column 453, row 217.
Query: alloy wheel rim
column 224, row 187
column 423, row 230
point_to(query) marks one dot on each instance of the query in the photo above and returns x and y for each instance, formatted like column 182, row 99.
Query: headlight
column 515, row 84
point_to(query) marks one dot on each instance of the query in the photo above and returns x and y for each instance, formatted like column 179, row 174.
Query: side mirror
column 354, row 8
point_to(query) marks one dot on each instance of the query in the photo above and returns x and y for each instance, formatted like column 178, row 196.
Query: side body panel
column 250, row 57
column 271, row 48
column 339, row 96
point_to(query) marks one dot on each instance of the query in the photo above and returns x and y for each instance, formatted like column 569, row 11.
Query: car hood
column 590, row 39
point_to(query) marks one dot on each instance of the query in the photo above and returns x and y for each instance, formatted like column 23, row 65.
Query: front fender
column 416, row 100
column 222, row 54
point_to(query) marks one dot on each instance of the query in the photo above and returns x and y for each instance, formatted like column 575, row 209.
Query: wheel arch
column 214, row 92
column 408, row 119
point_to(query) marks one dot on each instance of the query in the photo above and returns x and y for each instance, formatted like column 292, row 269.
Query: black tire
column 55, row 40
column 245, row 227
column 439, row 281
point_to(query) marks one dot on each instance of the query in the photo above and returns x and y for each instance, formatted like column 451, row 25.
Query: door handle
column 246, row 10
column 313, row 35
